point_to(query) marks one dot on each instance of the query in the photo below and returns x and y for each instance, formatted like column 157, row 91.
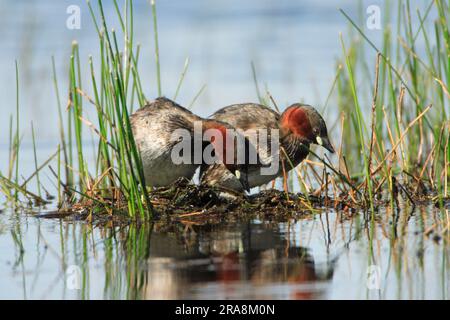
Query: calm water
column 320, row 257
column 294, row 46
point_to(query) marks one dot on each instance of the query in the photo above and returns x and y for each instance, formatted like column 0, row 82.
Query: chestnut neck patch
column 296, row 120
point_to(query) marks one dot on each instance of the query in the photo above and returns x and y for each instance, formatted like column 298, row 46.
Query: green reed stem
column 155, row 33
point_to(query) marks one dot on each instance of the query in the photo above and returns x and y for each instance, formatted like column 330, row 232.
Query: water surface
column 324, row 256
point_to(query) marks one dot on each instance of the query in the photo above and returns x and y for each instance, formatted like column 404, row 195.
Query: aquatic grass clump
column 395, row 121
column 118, row 177
column 115, row 87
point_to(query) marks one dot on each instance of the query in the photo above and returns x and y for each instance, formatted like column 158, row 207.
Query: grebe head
column 306, row 124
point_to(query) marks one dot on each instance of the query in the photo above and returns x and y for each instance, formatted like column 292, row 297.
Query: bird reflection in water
column 239, row 261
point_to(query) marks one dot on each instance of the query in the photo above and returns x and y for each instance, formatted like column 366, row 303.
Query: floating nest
column 184, row 201
column 199, row 204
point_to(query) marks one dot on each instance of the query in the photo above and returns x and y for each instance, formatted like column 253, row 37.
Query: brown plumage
column 154, row 126
column 299, row 126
